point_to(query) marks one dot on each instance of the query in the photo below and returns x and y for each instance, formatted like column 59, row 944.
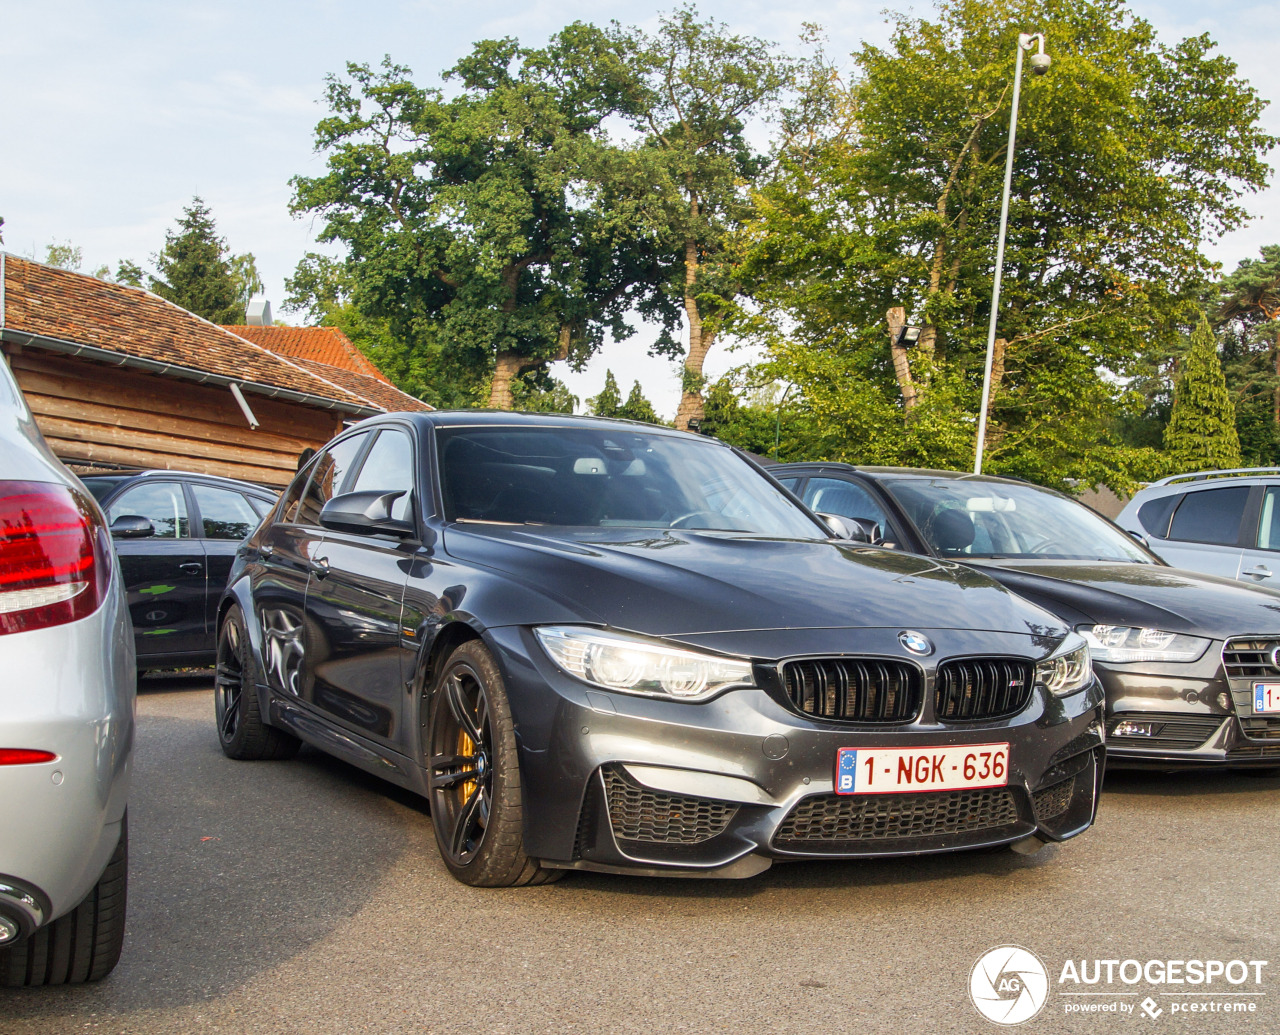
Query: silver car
column 66, row 717
column 1219, row 522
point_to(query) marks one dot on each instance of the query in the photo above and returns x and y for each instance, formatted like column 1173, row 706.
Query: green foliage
column 887, row 193
column 637, row 407
column 485, row 226
column 1248, row 318
column 65, row 256
column 543, row 394
column 609, row 401
column 1201, row 434
column 195, row 270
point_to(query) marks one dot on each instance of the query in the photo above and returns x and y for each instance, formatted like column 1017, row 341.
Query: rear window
column 1211, row 516
column 1154, row 515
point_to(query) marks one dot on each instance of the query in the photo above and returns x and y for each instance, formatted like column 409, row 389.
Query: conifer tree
column 609, row 402
column 196, row 271
column 1201, row 434
column 637, row 407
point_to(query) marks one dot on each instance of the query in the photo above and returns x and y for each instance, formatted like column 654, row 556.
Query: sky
column 115, row 115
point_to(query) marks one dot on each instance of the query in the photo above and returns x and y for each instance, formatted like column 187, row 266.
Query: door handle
column 266, row 549
column 320, row 567
column 1259, row 571
column 192, row 567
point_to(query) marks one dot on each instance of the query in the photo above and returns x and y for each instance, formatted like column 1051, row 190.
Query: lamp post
column 1039, row 65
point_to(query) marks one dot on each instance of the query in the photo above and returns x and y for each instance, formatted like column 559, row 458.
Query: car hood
column 1145, row 595
column 683, row 583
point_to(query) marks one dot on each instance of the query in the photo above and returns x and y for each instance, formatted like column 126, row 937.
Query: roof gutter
column 155, row 366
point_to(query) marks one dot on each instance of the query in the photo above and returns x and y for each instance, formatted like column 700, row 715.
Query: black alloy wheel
column 474, row 775
column 241, row 730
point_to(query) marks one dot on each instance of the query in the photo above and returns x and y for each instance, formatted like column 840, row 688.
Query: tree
column 1248, row 316
column 887, row 194
column 637, row 407
column 609, row 402
column 195, row 269
column 482, row 226
column 703, row 84
column 1201, row 434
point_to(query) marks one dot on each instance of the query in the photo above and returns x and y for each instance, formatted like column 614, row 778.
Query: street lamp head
column 1040, row 63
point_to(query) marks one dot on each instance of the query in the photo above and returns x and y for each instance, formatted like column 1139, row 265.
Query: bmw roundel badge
column 915, row 642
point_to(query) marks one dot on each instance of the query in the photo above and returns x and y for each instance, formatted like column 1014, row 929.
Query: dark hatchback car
column 176, row 535
column 601, row 645
column 1188, row 660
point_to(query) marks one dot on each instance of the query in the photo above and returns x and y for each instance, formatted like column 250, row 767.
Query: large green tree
column 1201, row 433
column 1248, row 319
column 482, row 225
column 196, row 270
column 703, row 84
column 885, row 206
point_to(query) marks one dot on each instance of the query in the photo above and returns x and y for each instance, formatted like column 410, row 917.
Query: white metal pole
column 1024, row 41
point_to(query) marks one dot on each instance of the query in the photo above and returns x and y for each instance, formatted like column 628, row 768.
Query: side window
column 1269, row 523
column 1154, row 515
column 1211, row 516
column 388, row 467
column 848, row 499
column 161, row 503
column 789, row 483
column 327, row 476
column 224, row 514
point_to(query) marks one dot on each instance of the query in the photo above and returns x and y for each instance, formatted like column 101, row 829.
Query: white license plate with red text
column 903, row 770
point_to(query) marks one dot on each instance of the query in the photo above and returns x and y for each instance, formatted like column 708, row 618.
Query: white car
column 1219, row 522
column 66, row 717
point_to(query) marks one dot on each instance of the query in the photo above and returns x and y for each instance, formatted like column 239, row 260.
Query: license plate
column 904, row 770
column 1266, row 698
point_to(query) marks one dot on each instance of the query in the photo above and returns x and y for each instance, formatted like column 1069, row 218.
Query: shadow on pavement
column 235, row 867
column 1190, row 784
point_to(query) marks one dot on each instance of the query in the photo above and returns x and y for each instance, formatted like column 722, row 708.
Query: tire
column 84, row 945
column 241, row 730
column 473, row 774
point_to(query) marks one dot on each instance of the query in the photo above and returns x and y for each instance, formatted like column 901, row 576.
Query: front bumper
column 632, row 784
column 1188, row 716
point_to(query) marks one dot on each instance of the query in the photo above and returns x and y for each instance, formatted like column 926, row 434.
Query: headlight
column 1122, row 643
column 1068, row 670
column 638, row 666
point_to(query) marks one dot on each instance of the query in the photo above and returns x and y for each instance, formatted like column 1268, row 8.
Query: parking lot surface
column 305, row 896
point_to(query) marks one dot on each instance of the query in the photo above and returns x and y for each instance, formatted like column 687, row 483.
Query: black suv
column 176, row 535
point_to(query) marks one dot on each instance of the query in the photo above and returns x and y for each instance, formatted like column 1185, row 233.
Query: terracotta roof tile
column 72, row 307
column 381, row 394
column 321, row 344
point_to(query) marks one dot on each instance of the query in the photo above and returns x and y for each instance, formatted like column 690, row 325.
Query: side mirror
column 844, row 528
column 366, row 513
column 132, row 526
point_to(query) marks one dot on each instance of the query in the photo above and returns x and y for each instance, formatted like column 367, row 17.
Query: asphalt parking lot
column 306, row 896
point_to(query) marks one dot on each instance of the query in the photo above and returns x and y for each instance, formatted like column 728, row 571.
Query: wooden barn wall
column 94, row 412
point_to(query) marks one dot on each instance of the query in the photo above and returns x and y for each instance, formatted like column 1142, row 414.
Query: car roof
column 917, row 473
column 160, row 473
column 1238, row 474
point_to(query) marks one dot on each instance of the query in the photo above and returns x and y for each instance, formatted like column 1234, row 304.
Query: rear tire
column 242, row 732
column 473, row 769
column 84, row 945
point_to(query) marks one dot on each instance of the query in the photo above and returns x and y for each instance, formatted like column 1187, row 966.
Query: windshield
column 986, row 519
column 604, row 477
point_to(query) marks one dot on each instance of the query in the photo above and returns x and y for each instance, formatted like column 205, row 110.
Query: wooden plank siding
column 92, row 412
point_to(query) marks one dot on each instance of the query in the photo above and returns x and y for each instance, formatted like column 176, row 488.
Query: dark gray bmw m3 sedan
column 601, row 645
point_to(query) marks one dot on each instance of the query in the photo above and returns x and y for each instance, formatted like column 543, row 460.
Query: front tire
column 241, row 730
column 477, row 806
column 83, row 945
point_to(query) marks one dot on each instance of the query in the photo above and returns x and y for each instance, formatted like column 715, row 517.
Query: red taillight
column 25, row 756
column 54, row 564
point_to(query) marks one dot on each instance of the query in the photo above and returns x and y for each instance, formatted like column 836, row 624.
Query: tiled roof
column 71, row 307
column 321, row 344
column 382, row 394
